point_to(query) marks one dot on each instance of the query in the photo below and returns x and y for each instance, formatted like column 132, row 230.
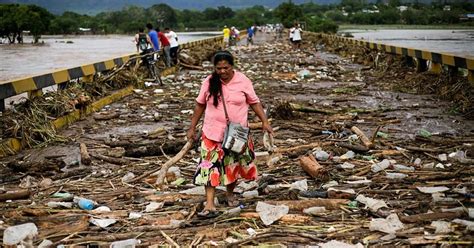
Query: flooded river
column 59, row 52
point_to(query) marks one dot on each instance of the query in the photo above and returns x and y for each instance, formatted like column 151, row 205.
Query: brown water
column 28, row 59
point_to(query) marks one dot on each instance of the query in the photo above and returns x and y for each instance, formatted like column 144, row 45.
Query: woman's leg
column 230, row 194
column 210, row 193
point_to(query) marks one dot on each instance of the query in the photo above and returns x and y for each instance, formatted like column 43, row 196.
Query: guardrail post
column 88, row 78
column 421, row 65
column 63, row 86
column 34, row 93
column 470, row 76
column 453, row 70
column 436, row 67
column 2, row 105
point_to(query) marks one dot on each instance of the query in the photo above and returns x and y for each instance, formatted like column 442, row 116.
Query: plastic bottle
column 84, row 203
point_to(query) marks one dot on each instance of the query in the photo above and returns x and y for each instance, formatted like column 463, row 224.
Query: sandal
column 208, row 214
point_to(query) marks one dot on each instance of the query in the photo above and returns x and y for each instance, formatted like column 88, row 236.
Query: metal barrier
column 34, row 85
column 421, row 56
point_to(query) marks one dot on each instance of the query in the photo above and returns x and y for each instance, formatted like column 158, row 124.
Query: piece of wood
column 299, row 205
column 305, row 109
column 312, row 167
column 288, row 218
column 356, row 148
column 362, row 137
column 302, row 147
column 162, row 173
column 108, row 159
column 85, row 157
column 258, row 125
column 15, row 195
column 430, row 217
column 105, row 117
column 195, row 67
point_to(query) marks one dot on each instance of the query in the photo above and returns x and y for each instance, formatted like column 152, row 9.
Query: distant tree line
column 15, row 18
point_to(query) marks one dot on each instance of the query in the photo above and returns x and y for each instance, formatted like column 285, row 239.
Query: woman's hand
column 267, row 128
column 191, row 134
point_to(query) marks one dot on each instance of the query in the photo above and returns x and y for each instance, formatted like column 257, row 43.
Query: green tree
column 162, row 15
column 288, row 13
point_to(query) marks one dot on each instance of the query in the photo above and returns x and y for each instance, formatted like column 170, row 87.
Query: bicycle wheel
column 155, row 74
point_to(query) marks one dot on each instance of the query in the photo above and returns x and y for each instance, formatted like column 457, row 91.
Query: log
column 302, row 147
column 356, row 148
column 111, row 160
column 257, row 125
column 288, row 218
column 85, row 157
column 304, row 109
column 162, row 171
column 430, row 217
column 15, row 195
column 155, row 149
column 195, row 67
column 312, row 167
column 299, row 205
column 362, row 137
column 105, row 117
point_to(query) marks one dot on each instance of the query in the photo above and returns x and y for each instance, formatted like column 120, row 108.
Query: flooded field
column 60, row 52
column 458, row 42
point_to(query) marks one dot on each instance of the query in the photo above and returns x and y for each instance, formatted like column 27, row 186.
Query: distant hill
column 92, row 7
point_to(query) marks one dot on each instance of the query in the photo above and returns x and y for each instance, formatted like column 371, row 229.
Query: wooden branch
column 362, row 137
column 356, row 148
column 302, row 147
column 15, row 195
column 430, row 217
column 108, row 159
column 162, row 173
column 304, row 109
column 288, row 218
column 191, row 66
column 105, row 117
column 85, row 157
column 258, row 125
column 165, row 167
column 299, row 205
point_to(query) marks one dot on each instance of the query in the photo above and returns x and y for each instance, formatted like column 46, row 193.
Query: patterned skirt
column 222, row 167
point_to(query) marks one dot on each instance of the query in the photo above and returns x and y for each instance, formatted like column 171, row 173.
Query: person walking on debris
column 174, row 45
column 225, row 97
column 142, row 40
column 250, row 34
column 226, row 34
column 297, row 35
column 165, row 44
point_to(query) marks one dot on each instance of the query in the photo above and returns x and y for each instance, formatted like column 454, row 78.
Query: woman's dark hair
column 215, row 84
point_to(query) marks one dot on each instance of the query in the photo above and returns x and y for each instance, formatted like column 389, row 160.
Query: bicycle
column 149, row 61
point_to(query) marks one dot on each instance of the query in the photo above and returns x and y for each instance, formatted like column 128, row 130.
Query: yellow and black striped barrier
column 437, row 59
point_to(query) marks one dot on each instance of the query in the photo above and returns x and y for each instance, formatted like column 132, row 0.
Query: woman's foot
column 231, row 201
column 208, row 213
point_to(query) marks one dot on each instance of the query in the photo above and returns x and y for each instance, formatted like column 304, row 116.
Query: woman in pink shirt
column 220, row 166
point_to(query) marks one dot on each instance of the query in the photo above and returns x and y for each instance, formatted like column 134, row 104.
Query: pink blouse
column 238, row 95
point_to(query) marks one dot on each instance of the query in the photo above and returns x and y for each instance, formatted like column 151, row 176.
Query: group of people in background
column 155, row 40
column 232, row 36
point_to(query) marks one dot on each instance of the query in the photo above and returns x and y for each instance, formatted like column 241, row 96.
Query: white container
column 15, row 234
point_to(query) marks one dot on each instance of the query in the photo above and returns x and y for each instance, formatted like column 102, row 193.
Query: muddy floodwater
column 60, row 52
column 457, row 42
